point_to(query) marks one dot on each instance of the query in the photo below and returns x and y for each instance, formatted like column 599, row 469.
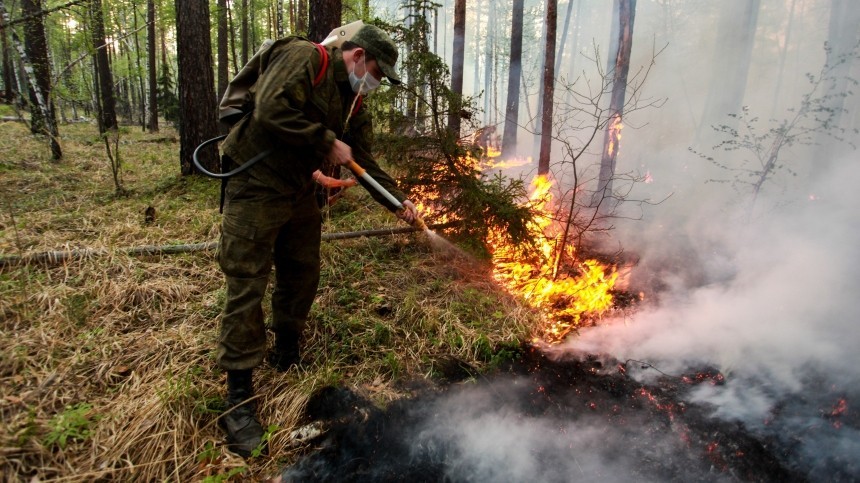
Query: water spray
column 362, row 173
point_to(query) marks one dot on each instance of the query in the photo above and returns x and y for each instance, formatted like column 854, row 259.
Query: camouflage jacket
column 299, row 122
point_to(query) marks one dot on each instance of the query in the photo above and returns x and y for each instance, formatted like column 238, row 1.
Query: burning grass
column 106, row 367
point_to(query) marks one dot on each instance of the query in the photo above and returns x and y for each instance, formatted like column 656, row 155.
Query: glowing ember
column 564, row 300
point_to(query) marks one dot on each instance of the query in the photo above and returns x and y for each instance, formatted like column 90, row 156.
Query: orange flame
column 565, row 300
column 614, row 134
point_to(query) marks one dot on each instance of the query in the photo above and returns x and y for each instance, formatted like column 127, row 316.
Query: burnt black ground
column 578, row 419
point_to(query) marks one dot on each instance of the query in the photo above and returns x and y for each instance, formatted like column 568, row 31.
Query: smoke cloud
column 772, row 304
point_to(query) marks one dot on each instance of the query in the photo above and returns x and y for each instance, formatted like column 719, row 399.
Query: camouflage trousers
column 260, row 229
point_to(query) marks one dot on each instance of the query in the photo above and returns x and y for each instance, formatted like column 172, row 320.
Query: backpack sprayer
column 335, row 38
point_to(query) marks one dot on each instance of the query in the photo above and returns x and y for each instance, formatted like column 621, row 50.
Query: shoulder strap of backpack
column 323, row 64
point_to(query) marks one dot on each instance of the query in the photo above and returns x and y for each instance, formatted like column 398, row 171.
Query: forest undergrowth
column 107, row 368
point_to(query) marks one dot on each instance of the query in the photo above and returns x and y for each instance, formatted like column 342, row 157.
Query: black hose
column 228, row 174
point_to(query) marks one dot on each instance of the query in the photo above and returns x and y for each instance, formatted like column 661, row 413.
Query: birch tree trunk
column 457, row 63
column 43, row 118
column 548, row 88
column 512, row 106
column 279, row 19
column 603, row 199
column 197, row 103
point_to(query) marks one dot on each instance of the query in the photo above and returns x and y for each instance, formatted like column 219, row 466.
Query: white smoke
column 482, row 433
column 773, row 305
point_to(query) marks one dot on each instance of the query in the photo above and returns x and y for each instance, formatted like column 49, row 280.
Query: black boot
column 286, row 351
column 244, row 432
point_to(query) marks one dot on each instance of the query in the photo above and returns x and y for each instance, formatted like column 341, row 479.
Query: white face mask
column 365, row 84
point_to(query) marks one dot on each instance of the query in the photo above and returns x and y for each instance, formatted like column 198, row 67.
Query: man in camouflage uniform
column 270, row 211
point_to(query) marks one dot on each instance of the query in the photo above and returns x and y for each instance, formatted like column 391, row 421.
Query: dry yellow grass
column 106, row 364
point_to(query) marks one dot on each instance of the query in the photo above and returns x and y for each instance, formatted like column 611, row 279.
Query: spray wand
column 362, row 173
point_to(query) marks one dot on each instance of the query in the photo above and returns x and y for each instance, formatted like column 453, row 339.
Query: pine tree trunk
column 197, row 103
column 325, row 16
column 302, row 17
column 457, row 63
column 223, row 76
column 232, row 29
column 563, row 42
column 106, row 100
column 489, row 61
column 842, row 41
column 537, row 122
column 512, row 107
column 548, row 88
column 777, row 91
column 150, row 60
column 244, row 33
column 292, row 9
column 141, row 92
column 603, row 198
column 736, row 38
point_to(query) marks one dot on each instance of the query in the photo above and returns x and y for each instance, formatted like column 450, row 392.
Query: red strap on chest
column 357, row 105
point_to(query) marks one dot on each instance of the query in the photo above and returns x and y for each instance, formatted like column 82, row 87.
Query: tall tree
column 246, row 38
column 548, row 87
column 733, row 53
column 489, row 61
column 457, row 63
column 564, row 30
column 150, row 66
column 783, row 53
column 43, row 118
column 842, row 43
column 140, row 71
column 611, row 139
column 106, row 99
column 302, row 17
column 197, row 103
column 512, row 107
column 324, row 17
column 223, row 77
column 9, row 87
column 279, row 18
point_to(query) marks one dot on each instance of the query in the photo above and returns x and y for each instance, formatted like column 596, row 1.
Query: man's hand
column 329, row 182
column 409, row 213
column 340, row 154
